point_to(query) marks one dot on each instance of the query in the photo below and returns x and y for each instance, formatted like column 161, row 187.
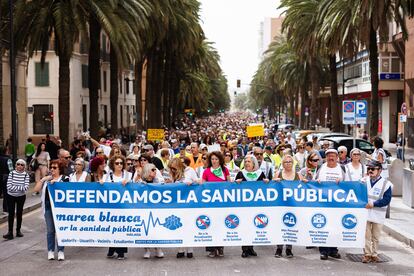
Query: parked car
column 286, row 127
column 299, row 134
column 322, row 135
column 348, row 142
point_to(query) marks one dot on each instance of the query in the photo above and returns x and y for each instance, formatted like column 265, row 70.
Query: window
column 395, row 65
column 42, row 74
column 385, row 65
column 127, row 85
column 365, row 146
column 85, row 81
column 42, row 119
column 104, row 81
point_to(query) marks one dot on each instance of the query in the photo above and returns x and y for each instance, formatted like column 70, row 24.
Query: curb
column 398, row 234
column 26, row 210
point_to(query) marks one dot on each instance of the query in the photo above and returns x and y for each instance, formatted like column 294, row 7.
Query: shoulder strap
column 384, row 184
column 363, row 169
column 132, row 175
column 111, row 175
column 349, row 171
column 343, row 172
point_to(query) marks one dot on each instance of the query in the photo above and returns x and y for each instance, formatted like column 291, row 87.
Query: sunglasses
column 372, row 169
column 19, row 164
column 228, row 155
column 314, row 160
column 204, row 158
column 356, row 154
column 119, row 163
column 341, row 151
column 146, row 150
column 54, row 168
column 173, row 169
column 287, row 162
column 129, row 164
column 153, row 170
column 259, row 154
column 67, row 157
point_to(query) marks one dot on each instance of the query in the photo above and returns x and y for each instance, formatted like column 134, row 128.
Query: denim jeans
column 51, row 233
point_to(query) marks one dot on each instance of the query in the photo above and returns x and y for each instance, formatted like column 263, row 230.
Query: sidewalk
column 392, row 148
column 400, row 225
column 32, row 203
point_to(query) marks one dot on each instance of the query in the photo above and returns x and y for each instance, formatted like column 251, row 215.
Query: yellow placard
column 255, row 130
column 154, row 134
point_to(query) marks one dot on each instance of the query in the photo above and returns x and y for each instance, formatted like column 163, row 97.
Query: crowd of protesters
column 212, row 149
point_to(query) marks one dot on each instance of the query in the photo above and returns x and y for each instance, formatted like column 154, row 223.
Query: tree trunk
column 373, row 63
column 334, row 95
column 94, row 74
column 114, row 90
column 304, row 102
column 153, row 97
column 138, row 94
column 296, row 108
column 1, row 98
column 315, row 83
column 291, row 107
column 64, row 99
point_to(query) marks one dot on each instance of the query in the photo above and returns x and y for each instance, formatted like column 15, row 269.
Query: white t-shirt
column 355, row 174
column 331, row 174
column 190, row 175
column 125, row 175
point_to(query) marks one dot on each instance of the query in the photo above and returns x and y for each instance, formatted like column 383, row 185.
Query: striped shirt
column 18, row 183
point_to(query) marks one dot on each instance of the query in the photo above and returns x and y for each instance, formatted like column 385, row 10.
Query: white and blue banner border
column 211, row 214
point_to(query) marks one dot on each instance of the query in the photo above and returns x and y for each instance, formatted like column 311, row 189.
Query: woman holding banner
column 98, row 173
column 79, row 175
column 149, row 175
column 355, row 169
column 56, row 169
column 216, row 172
column 118, row 174
column 177, row 175
column 308, row 173
column 286, row 172
column 251, row 172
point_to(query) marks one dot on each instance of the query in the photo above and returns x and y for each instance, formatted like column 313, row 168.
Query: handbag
column 34, row 165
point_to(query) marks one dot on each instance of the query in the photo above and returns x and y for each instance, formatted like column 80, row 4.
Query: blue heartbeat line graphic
column 172, row 223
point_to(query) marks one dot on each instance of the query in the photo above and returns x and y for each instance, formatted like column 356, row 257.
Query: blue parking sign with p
column 361, row 112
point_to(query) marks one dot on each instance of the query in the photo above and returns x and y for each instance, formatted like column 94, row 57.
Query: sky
column 233, row 25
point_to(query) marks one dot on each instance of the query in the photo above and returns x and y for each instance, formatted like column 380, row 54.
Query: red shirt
column 209, row 176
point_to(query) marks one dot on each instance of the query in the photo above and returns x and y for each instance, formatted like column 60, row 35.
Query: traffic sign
column 404, row 108
column 403, row 118
column 348, row 112
column 361, row 111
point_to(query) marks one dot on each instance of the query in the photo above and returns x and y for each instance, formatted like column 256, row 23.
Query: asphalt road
column 28, row 256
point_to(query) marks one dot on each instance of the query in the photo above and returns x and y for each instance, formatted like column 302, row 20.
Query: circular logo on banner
column 289, row 219
column 318, row 221
column 349, row 221
column 203, row 222
column 261, row 221
column 232, row 221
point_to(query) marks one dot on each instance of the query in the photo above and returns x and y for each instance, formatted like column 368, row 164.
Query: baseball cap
column 332, row 151
column 202, row 146
column 182, row 146
column 374, row 164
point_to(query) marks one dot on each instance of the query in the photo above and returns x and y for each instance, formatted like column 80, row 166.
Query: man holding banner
column 330, row 171
column 379, row 197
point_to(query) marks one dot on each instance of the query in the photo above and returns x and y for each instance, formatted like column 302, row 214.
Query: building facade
column 42, row 98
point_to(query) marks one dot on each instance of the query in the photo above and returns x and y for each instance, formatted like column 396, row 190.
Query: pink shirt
column 209, row 176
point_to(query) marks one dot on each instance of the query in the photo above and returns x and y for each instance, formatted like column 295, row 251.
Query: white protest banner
column 212, row 214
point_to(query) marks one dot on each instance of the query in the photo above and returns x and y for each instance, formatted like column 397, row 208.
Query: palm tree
column 45, row 23
column 361, row 21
